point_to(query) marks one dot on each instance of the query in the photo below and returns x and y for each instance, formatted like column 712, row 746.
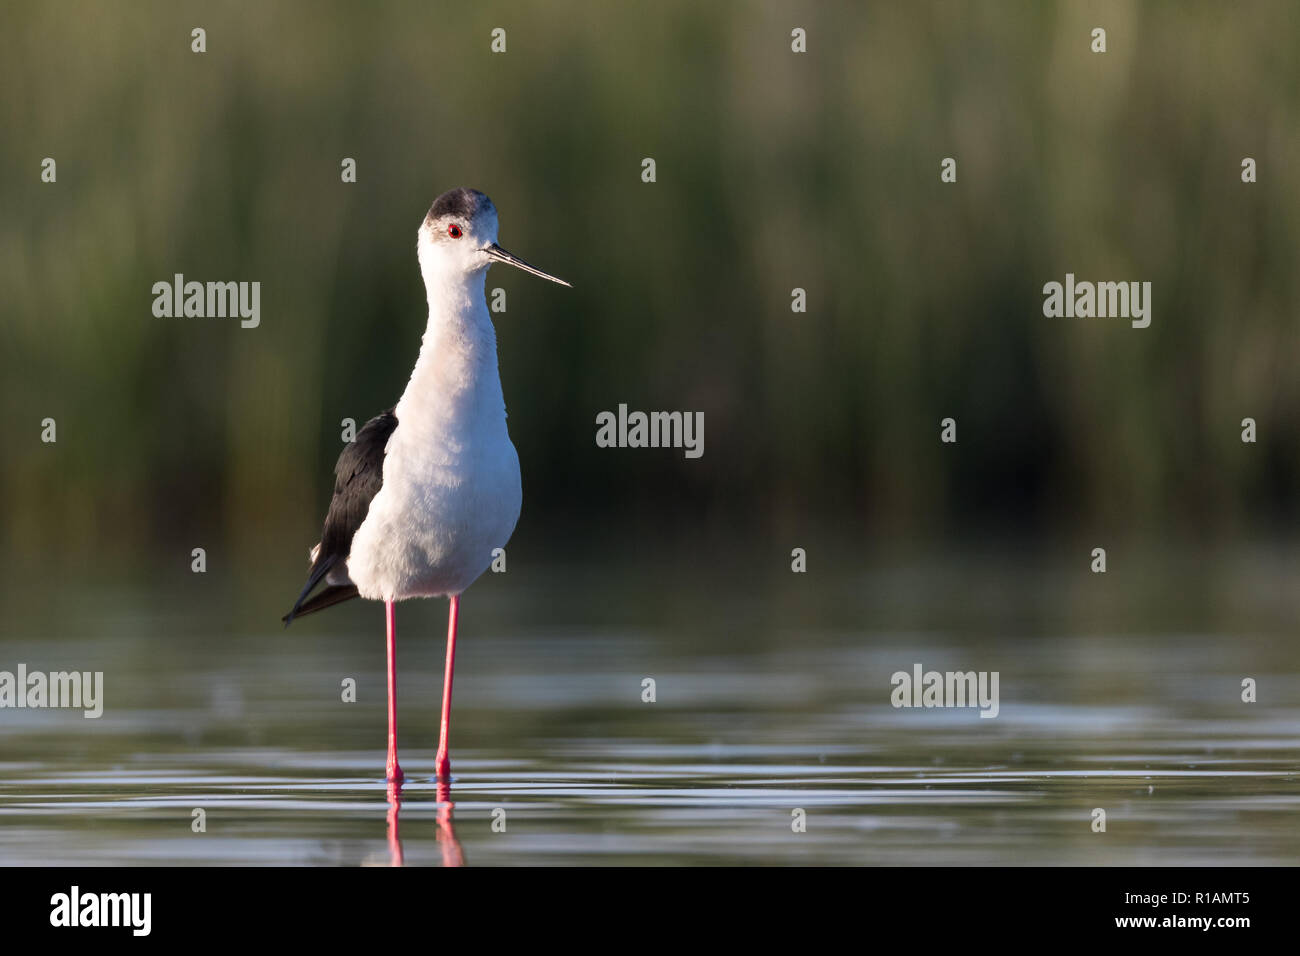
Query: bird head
column 459, row 238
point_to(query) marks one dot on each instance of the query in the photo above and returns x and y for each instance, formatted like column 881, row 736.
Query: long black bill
column 509, row 258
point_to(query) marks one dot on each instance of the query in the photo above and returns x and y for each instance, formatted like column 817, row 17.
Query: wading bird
column 430, row 488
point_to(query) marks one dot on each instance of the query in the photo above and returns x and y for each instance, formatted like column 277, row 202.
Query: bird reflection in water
column 395, row 857
column 452, row 854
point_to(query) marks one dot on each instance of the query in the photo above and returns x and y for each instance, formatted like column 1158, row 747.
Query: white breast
column 451, row 492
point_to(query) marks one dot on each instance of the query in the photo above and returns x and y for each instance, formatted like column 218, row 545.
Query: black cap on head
column 462, row 203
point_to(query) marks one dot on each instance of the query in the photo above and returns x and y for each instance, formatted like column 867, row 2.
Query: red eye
column 454, row 231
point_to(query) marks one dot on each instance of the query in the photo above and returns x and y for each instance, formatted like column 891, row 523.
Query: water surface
column 557, row 759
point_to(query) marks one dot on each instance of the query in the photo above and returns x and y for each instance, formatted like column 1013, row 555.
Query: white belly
column 431, row 529
column 451, row 492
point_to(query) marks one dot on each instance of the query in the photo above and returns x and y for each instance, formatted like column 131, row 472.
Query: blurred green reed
column 775, row 171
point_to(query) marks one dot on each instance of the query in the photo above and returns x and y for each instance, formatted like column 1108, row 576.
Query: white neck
column 455, row 389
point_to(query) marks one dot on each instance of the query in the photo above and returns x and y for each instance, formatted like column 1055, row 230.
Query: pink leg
column 394, row 771
column 443, row 762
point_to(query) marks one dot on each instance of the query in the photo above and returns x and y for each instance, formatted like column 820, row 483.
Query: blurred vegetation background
column 775, row 171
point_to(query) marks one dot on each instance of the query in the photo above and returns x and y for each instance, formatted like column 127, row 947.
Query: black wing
column 358, row 476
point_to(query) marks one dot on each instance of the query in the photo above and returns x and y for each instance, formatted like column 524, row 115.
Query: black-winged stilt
column 430, row 488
